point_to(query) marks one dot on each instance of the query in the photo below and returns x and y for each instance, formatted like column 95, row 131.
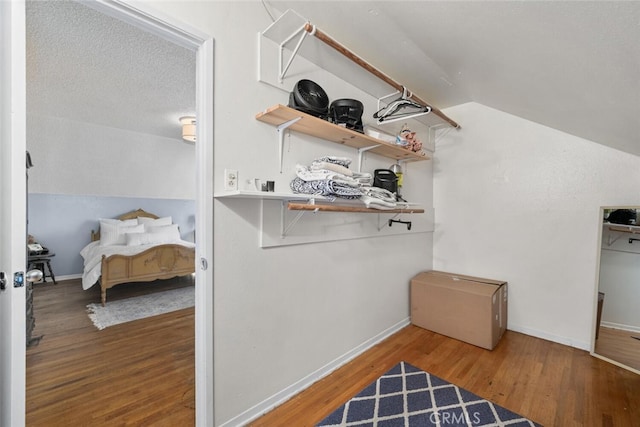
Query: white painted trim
column 204, row 236
column 615, row 362
column 157, row 23
column 13, row 212
column 629, row 328
column 582, row 345
column 65, row 277
column 143, row 16
column 295, row 388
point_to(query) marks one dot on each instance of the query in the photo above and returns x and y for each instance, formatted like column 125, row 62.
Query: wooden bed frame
column 160, row 262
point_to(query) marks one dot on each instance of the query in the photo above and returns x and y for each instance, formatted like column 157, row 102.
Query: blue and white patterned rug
column 406, row 396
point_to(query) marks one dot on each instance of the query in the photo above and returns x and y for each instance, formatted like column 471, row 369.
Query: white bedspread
column 92, row 255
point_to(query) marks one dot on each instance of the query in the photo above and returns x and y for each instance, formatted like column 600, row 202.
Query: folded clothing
column 306, row 174
column 342, row 161
column 318, row 166
column 325, row 187
column 375, row 203
column 379, row 193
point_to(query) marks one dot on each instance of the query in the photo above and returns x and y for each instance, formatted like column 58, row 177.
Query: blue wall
column 63, row 223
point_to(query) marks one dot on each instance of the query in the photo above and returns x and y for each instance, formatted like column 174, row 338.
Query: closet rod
column 311, row 29
column 342, row 208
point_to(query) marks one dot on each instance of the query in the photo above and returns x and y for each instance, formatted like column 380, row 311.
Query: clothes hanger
column 392, row 112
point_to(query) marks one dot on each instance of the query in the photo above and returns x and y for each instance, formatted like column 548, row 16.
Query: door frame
column 12, row 362
column 13, row 212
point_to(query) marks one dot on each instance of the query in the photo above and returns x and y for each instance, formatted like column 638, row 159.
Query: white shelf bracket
column 433, row 134
column 611, row 240
column 282, row 69
column 361, row 152
column 285, row 228
column 280, row 129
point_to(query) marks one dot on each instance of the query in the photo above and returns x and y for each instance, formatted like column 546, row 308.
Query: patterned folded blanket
column 325, row 187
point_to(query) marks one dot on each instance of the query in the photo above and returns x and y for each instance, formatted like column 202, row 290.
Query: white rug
column 121, row 311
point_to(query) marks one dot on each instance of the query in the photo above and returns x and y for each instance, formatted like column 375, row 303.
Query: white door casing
column 12, row 212
column 13, row 197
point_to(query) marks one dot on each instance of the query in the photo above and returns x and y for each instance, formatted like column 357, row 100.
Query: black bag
column 385, row 178
column 622, row 216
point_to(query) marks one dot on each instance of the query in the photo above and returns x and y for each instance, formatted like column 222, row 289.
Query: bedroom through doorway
column 95, row 158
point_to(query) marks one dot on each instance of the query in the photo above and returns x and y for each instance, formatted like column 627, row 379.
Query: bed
column 135, row 247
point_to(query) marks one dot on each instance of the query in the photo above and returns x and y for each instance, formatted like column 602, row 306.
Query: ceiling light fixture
column 188, row 128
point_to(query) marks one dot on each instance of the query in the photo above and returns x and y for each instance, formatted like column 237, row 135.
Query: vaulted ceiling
column 573, row 66
column 570, row 65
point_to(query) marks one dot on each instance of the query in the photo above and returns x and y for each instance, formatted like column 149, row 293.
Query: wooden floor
column 142, row 373
column 619, row 345
column 549, row 383
column 135, row 374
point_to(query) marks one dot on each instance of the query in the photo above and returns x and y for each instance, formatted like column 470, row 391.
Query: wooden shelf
column 264, row 195
column 289, row 34
column 342, row 208
column 314, row 126
column 633, row 229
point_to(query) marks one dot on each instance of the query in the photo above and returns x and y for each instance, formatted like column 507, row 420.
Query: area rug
column 406, row 396
column 127, row 310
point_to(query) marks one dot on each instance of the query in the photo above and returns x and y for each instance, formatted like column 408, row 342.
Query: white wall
column 281, row 314
column 518, row 201
column 80, row 158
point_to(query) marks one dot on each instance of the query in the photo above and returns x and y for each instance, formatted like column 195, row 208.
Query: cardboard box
column 467, row 308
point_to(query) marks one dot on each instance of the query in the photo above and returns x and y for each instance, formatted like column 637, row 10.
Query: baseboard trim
column 628, row 328
column 295, row 388
column 68, row 277
column 582, row 345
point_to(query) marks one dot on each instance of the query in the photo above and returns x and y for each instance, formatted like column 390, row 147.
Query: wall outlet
column 230, row 179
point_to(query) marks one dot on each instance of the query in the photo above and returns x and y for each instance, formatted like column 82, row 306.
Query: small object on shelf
column 397, row 169
column 347, row 113
column 384, row 178
column 622, row 216
column 408, row 139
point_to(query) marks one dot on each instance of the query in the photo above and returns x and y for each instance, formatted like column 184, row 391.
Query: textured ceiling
column 83, row 65
column 573, row 66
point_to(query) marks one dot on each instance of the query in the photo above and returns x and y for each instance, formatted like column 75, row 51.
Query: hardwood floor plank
column 550, row 383
column 138, row 373
column 143, row 373
column 619, row 345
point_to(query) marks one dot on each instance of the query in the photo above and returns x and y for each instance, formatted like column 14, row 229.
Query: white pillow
column 171, row 232
column 136, row 239
column 126, row 222
column 151, row 222
column 114, row 233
